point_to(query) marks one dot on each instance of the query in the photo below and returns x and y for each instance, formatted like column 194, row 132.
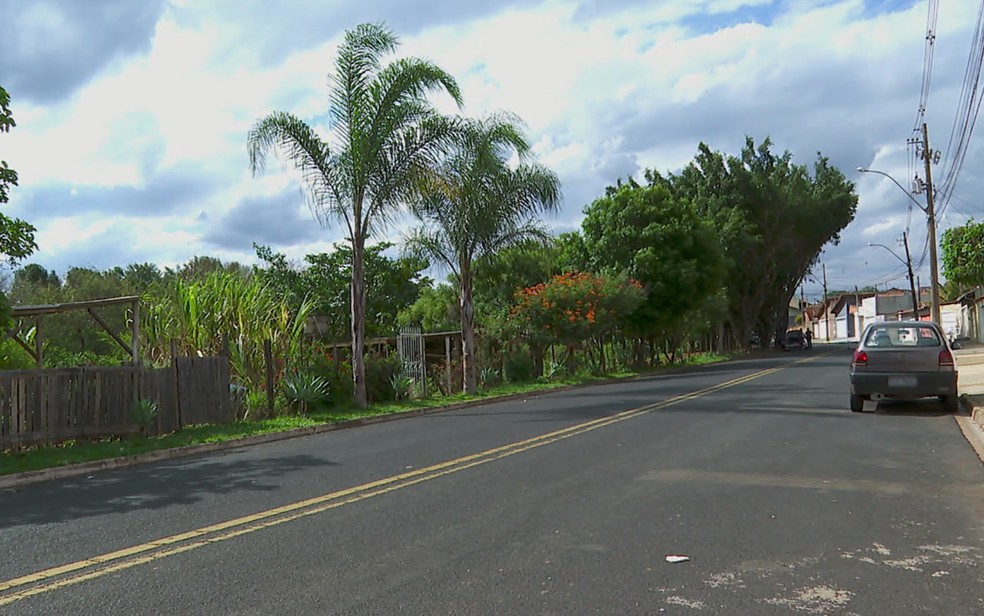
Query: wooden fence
column 47, row 406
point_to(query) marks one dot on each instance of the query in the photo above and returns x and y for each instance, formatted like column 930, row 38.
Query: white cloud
column 607, row 89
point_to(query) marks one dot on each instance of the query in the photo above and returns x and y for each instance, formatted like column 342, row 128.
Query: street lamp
column 908, row 263
column 931, row 215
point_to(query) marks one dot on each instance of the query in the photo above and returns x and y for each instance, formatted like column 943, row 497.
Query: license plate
column 902, row 381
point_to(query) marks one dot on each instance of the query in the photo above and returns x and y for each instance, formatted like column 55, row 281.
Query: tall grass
column 201, row 314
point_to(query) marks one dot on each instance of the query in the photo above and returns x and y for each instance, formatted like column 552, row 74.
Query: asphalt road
column 568, row 503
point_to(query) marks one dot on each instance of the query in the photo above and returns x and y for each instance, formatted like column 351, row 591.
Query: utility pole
column 919, row 286
column 912, row 284
column 826, row 309
column 931, row 213
column 857, row 311
column 803, row 319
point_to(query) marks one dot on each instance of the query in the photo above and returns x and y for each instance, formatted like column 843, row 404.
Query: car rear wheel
column 951, row 404
column 857, row 403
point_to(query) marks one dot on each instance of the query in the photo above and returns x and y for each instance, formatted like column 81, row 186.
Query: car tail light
column 946, row 359
column 860, row 358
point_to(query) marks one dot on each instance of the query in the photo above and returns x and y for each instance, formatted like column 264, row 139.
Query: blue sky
column 132, row 116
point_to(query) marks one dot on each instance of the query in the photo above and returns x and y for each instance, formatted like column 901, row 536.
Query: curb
column 14, row 480
column 973, row 404
column 971, row 422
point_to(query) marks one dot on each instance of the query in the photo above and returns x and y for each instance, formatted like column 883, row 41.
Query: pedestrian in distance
column 809, row 338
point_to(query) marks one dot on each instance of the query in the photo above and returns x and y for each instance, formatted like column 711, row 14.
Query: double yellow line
column 76, row 572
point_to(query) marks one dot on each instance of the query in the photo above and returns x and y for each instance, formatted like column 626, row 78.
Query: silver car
column 903, row 360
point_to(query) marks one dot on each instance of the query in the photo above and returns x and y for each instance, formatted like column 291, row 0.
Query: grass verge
column 74, row 452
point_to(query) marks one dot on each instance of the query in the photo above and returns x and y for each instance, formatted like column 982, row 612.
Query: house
column 847, row 320
column 824, row 320
column 795, row 313
column 885, row 306
column 960, row 318
column 817, row 318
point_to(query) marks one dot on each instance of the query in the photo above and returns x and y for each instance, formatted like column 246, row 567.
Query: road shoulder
column 972, row 423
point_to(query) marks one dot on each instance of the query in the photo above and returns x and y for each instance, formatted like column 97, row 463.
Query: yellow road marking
column 168, row 546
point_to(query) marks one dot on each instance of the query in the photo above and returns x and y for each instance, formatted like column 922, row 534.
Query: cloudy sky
column 132, row 115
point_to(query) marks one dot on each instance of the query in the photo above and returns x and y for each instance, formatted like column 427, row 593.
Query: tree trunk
column 602, row 362
column 469, row 372
column 358, row 323
column 536, row 353
column 638, row 353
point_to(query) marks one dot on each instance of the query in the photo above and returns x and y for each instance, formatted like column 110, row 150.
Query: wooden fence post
column 268, row 360
column 38, row 360
column 447, row 361
column 135, row 334
column 174, row 380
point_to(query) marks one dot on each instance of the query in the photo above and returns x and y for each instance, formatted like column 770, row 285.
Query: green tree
column 436, row 310
column 498, row 276
column 201, row 267
column 385, row 135
column 662, row 242
column 16, row 236
column 773, row 217
column 33, row 285
column 138, row 278
column 962, row 254
column 475, row 204
column 571, row 253
column 392, row 285
column 572, row 308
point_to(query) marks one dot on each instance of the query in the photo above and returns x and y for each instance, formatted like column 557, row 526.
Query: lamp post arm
column 896, row 182
column 892, row 252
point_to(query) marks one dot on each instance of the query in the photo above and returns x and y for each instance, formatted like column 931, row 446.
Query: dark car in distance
column 794, row 339
column 903, row 360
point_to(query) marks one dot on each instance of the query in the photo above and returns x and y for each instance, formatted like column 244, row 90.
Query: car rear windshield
column 913, row 336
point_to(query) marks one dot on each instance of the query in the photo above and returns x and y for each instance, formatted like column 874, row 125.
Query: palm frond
column 356, row 65
column 431, row 243
column 411, row 155
column 290, row 137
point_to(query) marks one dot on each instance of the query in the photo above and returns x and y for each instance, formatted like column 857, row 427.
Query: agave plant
column 305, row 389
column 552, row 370
column 402, row 386
column 143, row 412
column 488, row 377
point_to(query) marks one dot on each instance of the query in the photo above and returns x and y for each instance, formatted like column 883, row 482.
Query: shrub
column 57, row 357
column 552, row 370
column 519, row 367
column 13, row 357
column 379, row 377
column 143, row 412
column 488, row 378
column 305, row 389
column 402, row 386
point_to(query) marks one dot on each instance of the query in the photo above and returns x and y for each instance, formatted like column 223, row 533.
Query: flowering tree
column 573, row 308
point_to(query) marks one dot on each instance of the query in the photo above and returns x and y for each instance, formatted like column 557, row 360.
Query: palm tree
column 384, row 136
column 475, row 203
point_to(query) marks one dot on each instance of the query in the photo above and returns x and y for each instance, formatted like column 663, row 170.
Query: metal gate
column 413, row 356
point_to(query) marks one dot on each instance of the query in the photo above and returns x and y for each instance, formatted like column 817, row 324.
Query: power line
column 929, row 47
column 965, row 119
column 927, row 71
